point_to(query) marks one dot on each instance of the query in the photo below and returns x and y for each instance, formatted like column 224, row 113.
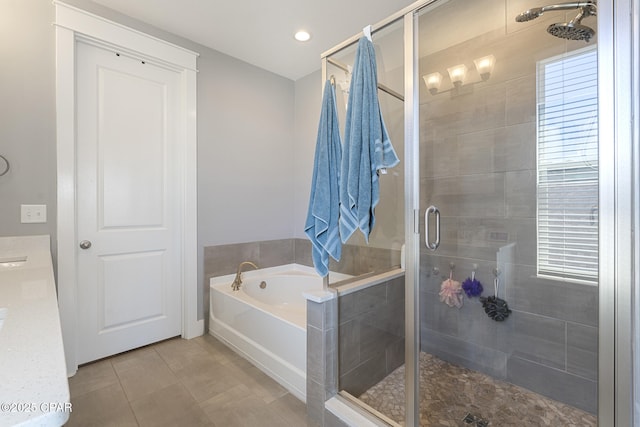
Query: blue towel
column 367, row 147
column 321, row 225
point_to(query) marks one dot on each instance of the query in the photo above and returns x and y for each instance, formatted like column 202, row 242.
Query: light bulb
column 302, row 36
column 457, row 74
column 433, row 82
column 485, row 65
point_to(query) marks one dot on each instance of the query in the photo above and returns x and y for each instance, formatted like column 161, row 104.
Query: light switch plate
column 32, row 214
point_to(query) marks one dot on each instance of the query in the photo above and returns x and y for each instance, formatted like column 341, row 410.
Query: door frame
column 618, row 78
column 71, row 25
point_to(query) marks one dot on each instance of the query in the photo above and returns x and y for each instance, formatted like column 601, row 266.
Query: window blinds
column 568, row 166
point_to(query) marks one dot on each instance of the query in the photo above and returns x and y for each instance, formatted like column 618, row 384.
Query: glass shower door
column 370, row 309
column 509, row 158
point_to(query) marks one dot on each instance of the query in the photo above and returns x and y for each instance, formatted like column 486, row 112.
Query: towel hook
column 367, row 32
column 7, row 165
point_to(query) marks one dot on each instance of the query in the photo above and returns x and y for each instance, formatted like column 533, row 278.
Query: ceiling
column 260, row 32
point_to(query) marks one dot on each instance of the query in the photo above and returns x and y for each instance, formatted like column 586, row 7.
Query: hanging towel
column 367, row 147
column 324, row 203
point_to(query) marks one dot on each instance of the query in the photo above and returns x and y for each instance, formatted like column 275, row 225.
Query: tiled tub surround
column 224, row 259
column 478, row 166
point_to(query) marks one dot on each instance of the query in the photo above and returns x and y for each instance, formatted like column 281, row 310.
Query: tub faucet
column 238, row 279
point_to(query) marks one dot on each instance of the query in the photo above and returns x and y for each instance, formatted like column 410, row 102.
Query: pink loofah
column 451, row 293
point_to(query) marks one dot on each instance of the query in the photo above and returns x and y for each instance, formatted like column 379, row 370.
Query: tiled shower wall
column 353, row 342
column 371, row 335
column 224, row 259
column 322, row 353
column 478, row 166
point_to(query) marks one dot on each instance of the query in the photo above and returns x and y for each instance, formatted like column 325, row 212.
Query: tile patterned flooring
column 177, row 382
column 200, row 382
column 449, row 392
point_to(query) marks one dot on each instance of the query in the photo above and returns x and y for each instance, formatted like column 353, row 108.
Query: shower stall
column 498, row 112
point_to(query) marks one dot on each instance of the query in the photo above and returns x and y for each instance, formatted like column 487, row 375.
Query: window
column 567, row 154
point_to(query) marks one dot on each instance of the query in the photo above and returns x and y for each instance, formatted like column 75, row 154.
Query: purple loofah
column 472, row 287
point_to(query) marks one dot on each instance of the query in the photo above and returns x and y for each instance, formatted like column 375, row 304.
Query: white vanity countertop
column 34, row 390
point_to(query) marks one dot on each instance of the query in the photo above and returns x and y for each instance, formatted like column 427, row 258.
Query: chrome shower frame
column 618, row 76
column 618, row 55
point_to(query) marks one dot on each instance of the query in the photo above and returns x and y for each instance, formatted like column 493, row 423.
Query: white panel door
column 128, row 199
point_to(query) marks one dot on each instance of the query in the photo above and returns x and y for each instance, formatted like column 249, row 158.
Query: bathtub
column 267, row 325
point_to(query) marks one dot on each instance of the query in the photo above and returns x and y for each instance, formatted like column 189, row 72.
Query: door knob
column 85, row 244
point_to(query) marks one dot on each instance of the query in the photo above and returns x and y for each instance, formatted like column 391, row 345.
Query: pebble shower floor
column 449, row 392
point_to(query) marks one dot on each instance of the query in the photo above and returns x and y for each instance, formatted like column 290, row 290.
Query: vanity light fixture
column 302, row 36
column 459, row 75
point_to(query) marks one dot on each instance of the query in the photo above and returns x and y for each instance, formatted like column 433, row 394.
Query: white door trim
column 73, row 23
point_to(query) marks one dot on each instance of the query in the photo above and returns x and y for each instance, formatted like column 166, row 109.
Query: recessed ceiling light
column 302, row 36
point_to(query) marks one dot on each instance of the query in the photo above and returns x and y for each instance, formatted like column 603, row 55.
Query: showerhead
column 530, row 14
column 569, row 31
column 574, row 30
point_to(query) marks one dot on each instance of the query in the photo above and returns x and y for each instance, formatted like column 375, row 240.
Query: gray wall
column 308, row 97
column 245, row 152
column 27, row 114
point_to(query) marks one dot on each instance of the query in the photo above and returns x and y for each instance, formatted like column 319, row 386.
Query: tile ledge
column 319, row 296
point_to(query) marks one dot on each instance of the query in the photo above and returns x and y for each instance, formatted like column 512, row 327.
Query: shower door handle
column 436, row 212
